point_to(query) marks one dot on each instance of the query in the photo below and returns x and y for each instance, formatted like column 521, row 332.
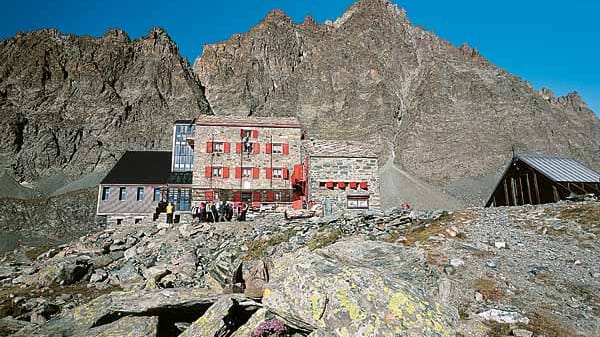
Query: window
column 218, row 148
column 246, row 133
column 119, row 221
column 358, row 202
column 137, row 220
column 217, row 171
column 105, row 193
column 277, row 173
column 122, row 193
column 277, row 196
column 248, row 147
column 156, row 194
column 140, row 193
column 277, row 148
column 183, row 154
column 247, row 172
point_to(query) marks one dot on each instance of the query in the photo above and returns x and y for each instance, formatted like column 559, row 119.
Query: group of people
column 219, row 211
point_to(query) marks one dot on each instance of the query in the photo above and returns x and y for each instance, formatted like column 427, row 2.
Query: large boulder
column 356, row 288
column 64, row 271
column 130, row 326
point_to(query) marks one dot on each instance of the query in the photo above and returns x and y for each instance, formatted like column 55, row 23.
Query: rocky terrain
column 446, row 114
column 518, row 271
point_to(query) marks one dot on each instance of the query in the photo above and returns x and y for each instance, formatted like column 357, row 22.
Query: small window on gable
column 122, row 193
column 217, row 171
column 156, row 194
column 140, row 194
column 105, row 193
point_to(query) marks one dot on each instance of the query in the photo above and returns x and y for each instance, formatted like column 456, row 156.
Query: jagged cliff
column 446, row 114
column 75, row 103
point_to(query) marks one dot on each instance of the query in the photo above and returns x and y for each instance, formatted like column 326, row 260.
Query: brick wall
column 340, row 169
column 258, row 162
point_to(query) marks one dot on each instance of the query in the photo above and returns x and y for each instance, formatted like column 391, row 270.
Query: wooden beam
column 506, row 193
column 528, row 188
column 513, row 187
column 521, row 190
column 537, row 189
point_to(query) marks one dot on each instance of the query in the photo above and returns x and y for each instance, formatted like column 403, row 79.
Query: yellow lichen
column 351, row 307
column 266, row 293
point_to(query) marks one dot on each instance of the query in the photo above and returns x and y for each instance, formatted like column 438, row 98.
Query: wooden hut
column 539, row 179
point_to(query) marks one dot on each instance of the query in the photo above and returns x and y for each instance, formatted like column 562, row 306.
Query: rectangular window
column 217, row 171
column 122, row 193
column 247, row 172
column 105, row 193
column 156, row 194
column 358, row 202
column 140, row 194
column 218, row 147
column 277, row 196
column 277, row 148
column 246, row 133
column 248, row 147
column 277, row 173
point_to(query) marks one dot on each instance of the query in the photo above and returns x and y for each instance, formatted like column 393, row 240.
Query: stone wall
column 343, row 169
column 259, row 160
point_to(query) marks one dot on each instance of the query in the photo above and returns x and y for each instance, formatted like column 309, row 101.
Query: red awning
column 364, row 185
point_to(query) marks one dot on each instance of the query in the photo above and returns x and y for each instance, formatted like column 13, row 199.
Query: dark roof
column 561, row 169
column 140, row 167
column 180, row 178
column 185, row 121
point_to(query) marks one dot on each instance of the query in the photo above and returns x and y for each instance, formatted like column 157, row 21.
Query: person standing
column 170, row 213
column 202, row 211
column 215, row 213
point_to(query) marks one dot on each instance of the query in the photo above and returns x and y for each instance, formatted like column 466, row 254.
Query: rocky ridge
column 529, row 270
column 76, row 103
column 446, row 114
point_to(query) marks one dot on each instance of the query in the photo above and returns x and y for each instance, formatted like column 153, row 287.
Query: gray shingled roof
column 231, row 119
column 561, row 169
column 339, row 148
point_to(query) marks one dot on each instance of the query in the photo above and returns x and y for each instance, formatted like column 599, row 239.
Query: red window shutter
column 238, row 172
column 209, row 147
column 238, row 147
column 353, row 185
column 329, row 184
column 256, row 148
column 255, row 173
column 364, row 185
column 242, row 133
column 285, row 173
column 286, row 148
column 208, row 195
column 269, row 172
column 227, row 147
column 208, row 172
column 270, row 196
column 225, row 172
column 341, row 185
column 269, row 148
column 256, row 196
column 237, row 196
column 254, row 133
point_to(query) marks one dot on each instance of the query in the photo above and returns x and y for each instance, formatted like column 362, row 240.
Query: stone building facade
column 245, row 159
column 342, row 174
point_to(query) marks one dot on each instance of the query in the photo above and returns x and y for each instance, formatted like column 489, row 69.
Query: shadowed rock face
column 446, row 113
column 76, row 103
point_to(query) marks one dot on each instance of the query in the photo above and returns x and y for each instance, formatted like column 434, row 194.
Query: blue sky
column 550, row 43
